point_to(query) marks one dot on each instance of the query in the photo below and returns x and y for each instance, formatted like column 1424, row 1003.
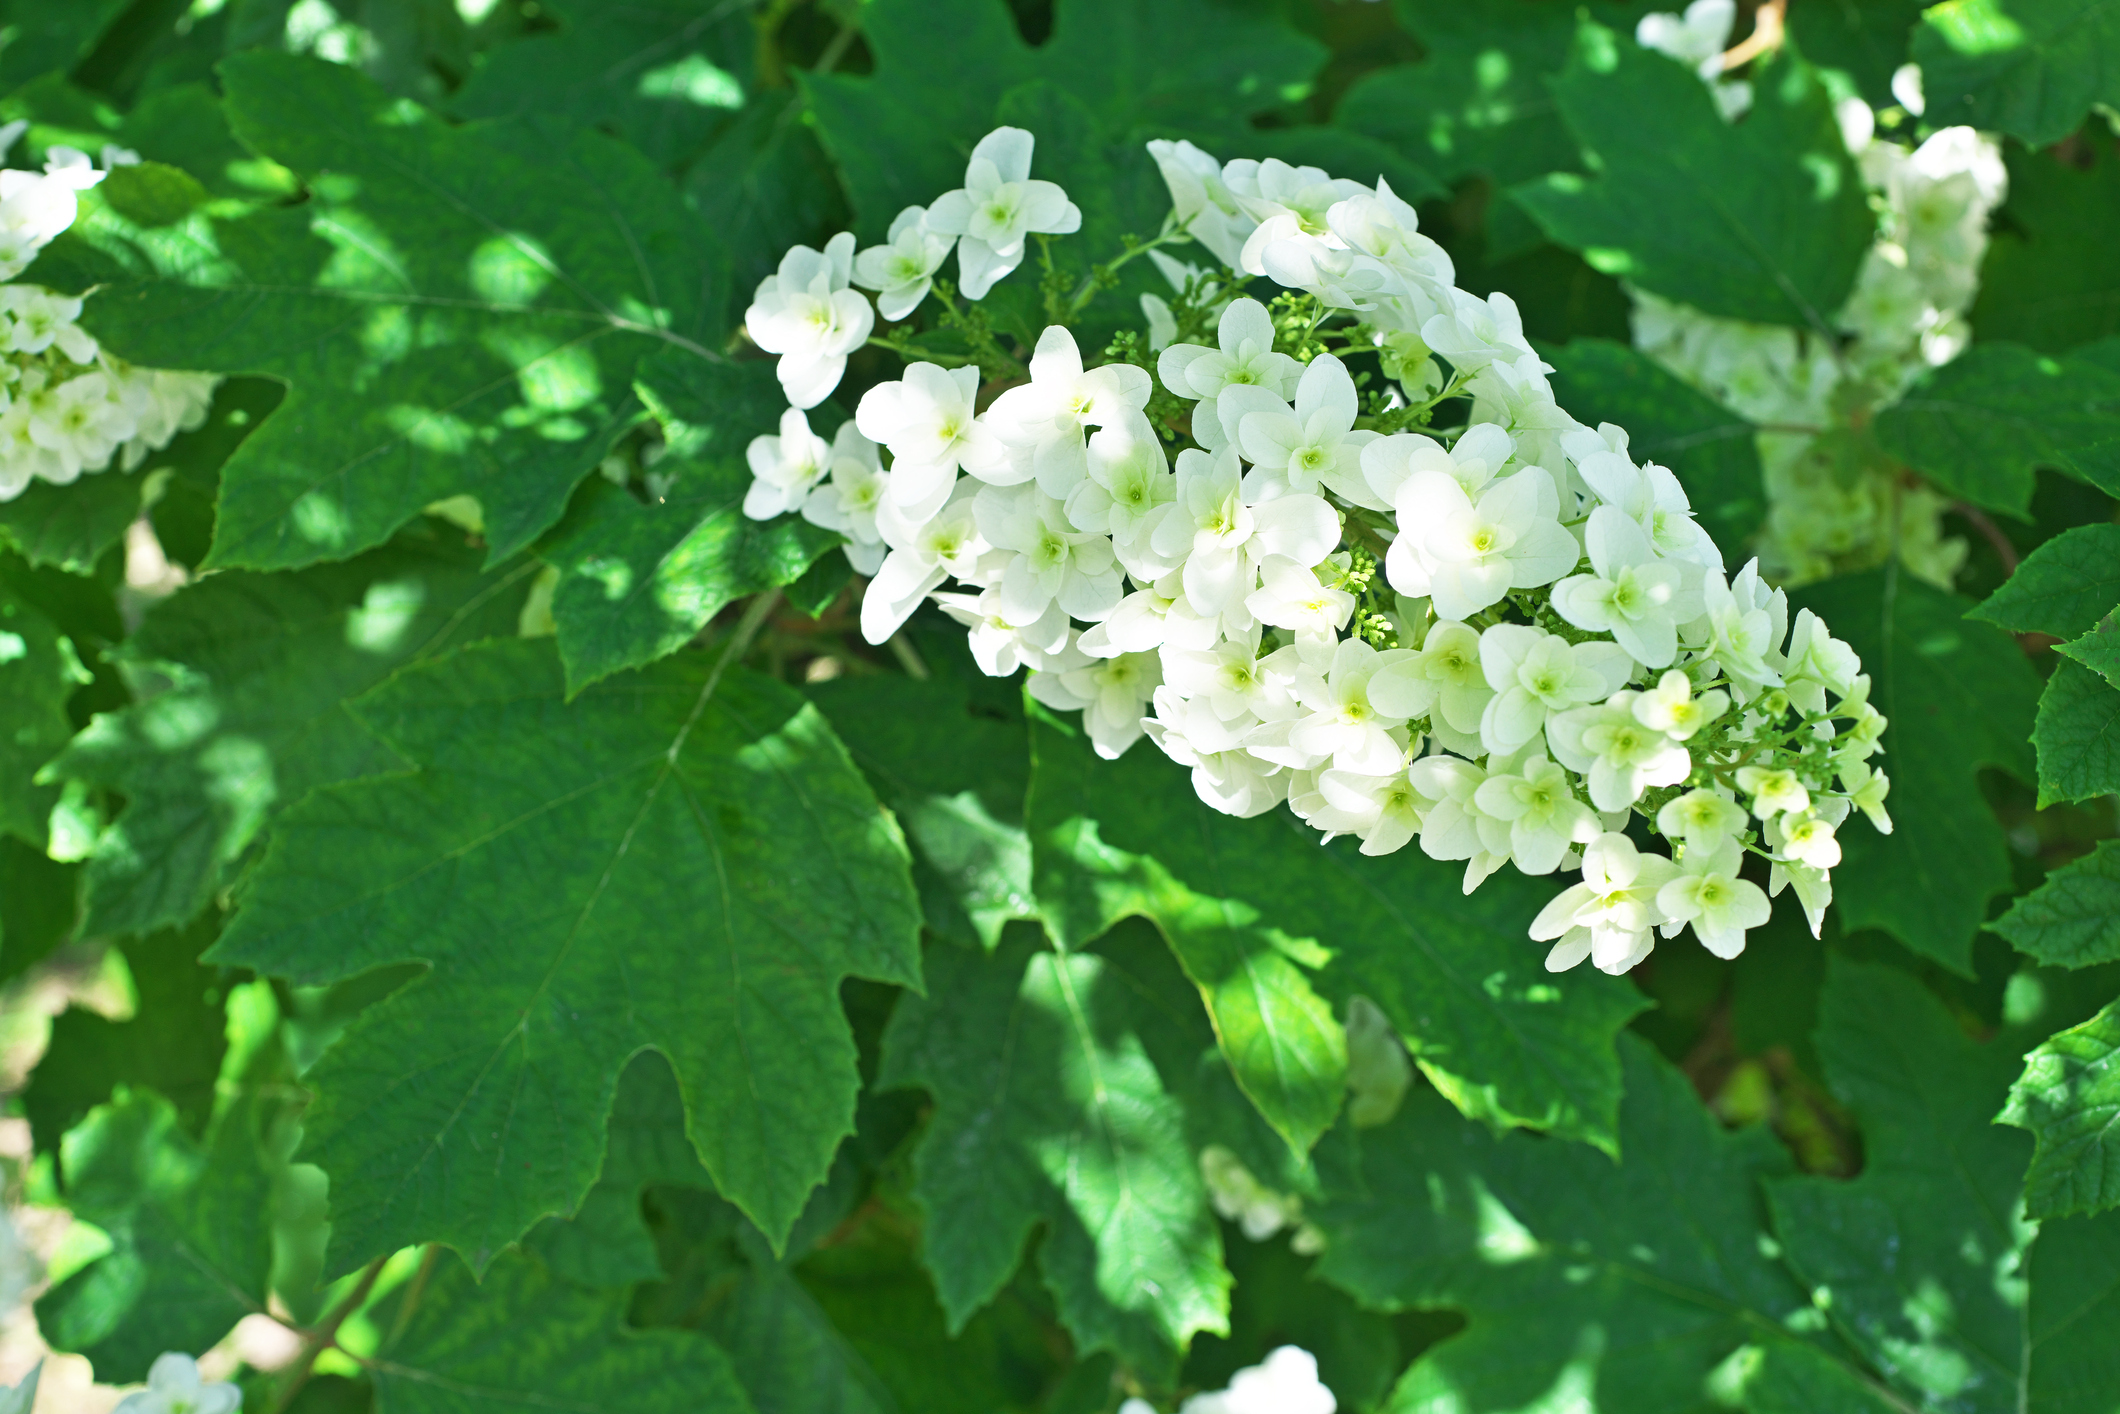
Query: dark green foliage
column 2030, row 68
column 1765, row 220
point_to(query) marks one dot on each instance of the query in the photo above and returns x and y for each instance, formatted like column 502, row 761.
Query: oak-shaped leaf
column 681, row 858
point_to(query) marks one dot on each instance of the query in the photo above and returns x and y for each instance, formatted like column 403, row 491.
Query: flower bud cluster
column 1836, row 504
column 67, row 407
column 1502, row 641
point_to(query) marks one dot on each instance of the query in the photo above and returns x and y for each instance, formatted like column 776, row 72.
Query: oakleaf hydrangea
column 1441, row 614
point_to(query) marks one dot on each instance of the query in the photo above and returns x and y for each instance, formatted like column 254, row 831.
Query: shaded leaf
column 1763, row 220
column 1979, row 426
column 1050, row 1110
column 1251, row 906
column 38, row 672
column 2030, row 68
column 2046, row 282
column 2077, row 735
column 456, row 311
column 260, row 666
column 2073, row 918
column 680, row 859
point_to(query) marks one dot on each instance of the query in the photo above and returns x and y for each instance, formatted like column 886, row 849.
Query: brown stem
column 1767, row 28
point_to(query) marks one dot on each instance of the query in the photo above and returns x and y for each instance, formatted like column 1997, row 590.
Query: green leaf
column 189, row 1227
column 1979, row 426
column 260, row 666
column 1577, row 1274
column 1959, row 696
column 38, row 672
column 2072, row 919
column 762, row 185
column 2098, row 650
column 2063, row 587
column 40, row 902
column 1279, row 1036
column 2030, row 68
column 42, row 36
column 1244, row 902
column 174, row 1041
column 1279, row 1300
column 665, row 75
column 2069, row 1098
column 638, row 578
column 680, row 859
column 1919, row 1261
column 456, row 312
column 954, row 771
column 2078, row 735
column 2046, row 281
column 1049, row 1109
column 1764, row 220
column 1477, row 102
column 71, row 526
column 521, row 1339
column 1864, row 39
column 1711, row 449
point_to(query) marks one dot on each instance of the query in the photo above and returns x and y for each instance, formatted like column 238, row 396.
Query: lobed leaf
column 2063, row 587
column 679, row 859
column 1979, row 426
column 2073, row 918
column 2046, row 282
column 38, row 672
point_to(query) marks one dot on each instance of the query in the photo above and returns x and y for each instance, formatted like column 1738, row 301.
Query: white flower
column 37, row 320
column 1292, row 597
column 1050, row 561
column 1042, row 421
column 1383, row 811
column 1817, row 663
column 1702, row 819
column 849, row 500
column 1222, row 537
column 1343, row 725
column 1773, row 790
column 927, row 421
column 1814, row 889
column 1456, row 827
column 1621, row 757
column 1610, row 915
column 1128, row 477
column 1201, row 201
column 1806, row 838
column 1634, row 596
column 921, row 557
column 1867, row 789
column 1466, row 555
column 1309, row 447
column 1536, row 674
column 1671, row 708
column 785, row 468
column 1244, row 354
column 1150, row 619
column 1000, row 647
column 1224, row 775
column 1109, row 693
column 1287, row 1383
column 174, row 1387
column 1744, row 627
column 1475, row 333
column 35, row 207
column 807, row 315
column 1474, row 461
column 1543, row 814
column 902, row 271
column 1443, row 681
column 997, row 208
column 1228, row 679
column 1708, row 894
column 1286, row 201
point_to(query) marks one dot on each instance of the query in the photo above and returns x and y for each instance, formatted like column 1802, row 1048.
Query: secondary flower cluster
column 1286, row 1382
column 1503, row 640
column 1835, row 503
column 66, row 406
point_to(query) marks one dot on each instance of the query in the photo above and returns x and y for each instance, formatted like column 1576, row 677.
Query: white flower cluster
column 1258, row 1211
column 67, row 407
column 1285, row 1383
column 1394, row 633
column 1836, row 504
